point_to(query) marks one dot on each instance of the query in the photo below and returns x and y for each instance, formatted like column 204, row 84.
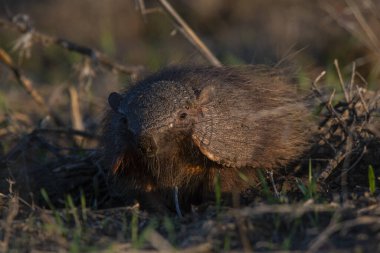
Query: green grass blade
column 371, row 180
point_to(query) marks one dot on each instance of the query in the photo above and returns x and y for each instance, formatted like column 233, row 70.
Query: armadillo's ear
column 114, row 100
column 206, row 94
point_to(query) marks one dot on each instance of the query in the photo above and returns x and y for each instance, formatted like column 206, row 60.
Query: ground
column 55, row 193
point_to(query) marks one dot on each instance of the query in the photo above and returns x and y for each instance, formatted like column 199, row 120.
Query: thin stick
column 364, row 25
column 159, row 242
column 346, row 164
column 76, row 115
column 291, row 210
column 241, row 225
column 319, row 77
column 352, row 79
column 362, row 100
column 185, row 29
column 14, row 207
column 314, row 83
column 329, row 103
column 140, row 5
column 349, row 28
column 336, row 63
column 289, row 55
column 27, row 84
column 333, row 163
column 93, row 54
column 356, row 162
column 325, row 235
column 67, row 131
column 273, row 184
column 361, row 78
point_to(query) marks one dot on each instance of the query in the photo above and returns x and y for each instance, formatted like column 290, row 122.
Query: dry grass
column 324, row 204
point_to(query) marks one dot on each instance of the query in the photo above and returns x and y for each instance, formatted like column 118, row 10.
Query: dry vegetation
column 54, row 191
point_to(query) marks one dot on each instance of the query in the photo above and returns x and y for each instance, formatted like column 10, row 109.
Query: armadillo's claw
column 177, row 207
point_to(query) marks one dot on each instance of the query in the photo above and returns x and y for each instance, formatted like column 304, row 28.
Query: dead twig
column 356, row 162
column 159, row 242
column 341, row 82
column 67, row 131
column 27, row 84
column 333, row 163
column 315, row 82
column 363, row 33
column 241, row 224
column 352, row 80
column 363, row 24
column 346, row 164
column 95, row 55
column 186, row 31
column 365, row 106
column 34, row 138
column 336, row 227
column 344, row 128
column 12, row 213
column 140, row 5
column 293, row 210
column 276, row 193
column 76, row 116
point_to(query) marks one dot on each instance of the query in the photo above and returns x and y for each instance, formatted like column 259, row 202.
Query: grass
column 309, row 190
column 308, row 216
column 371, row 180
column 170, row 229
column 268, row 226
column 267, row 193
column 218, row 193
column 135, row 230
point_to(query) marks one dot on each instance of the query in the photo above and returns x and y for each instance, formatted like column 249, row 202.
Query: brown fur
column 182, row 127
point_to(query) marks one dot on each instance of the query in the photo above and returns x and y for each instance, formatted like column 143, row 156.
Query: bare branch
column 96, row 56
column 363, row 23
column 76, row 116
column 27, row 84
column 346, row 96
column 189, row 34
column 352, row 80
column 365, row 38
column 315, row 82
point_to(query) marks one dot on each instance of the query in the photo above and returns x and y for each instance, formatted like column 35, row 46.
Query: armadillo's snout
column 148, row 145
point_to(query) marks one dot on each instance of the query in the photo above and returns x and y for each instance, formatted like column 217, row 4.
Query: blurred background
column 306, row 34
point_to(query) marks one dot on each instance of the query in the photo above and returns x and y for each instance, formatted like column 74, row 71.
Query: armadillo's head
column 158, row 116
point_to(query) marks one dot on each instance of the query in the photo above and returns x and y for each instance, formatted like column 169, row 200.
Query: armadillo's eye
column 183, row 116
column 123, row 120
